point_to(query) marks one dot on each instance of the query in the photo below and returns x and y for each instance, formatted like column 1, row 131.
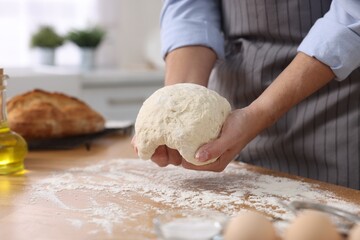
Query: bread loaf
column 40, row 114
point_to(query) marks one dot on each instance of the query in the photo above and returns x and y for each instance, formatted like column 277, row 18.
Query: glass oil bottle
column 13, row 147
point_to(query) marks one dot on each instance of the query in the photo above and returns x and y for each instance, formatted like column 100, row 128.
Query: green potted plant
column 87, row 40
column 47, row 40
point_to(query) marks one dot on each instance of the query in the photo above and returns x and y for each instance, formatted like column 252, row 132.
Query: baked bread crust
column 40, row 114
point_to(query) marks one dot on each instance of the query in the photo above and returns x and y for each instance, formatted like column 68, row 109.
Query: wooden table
column 103, row 194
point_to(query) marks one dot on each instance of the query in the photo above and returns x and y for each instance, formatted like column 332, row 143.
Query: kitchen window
column 20, row 18
column 132, row 31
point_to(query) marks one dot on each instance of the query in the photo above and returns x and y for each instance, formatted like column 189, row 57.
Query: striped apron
column 320, row 137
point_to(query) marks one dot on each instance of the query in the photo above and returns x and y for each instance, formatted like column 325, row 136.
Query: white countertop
column 107, row 75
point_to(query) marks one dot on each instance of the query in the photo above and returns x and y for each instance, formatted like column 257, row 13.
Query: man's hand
column 301, row 78
column 163, row 155
column 239, row 128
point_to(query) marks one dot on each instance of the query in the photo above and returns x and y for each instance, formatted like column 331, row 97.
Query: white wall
column 133, row 33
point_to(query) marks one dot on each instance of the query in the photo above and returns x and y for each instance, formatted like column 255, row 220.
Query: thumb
column 211, row 150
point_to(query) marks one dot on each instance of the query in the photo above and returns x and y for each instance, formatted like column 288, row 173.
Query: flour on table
column 75, row 222
column 112, row 192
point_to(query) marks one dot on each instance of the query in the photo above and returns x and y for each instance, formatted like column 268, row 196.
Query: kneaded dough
column 183, row 116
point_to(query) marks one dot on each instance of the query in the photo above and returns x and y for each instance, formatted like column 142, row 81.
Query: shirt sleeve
column 335, row 38
column 191, row 22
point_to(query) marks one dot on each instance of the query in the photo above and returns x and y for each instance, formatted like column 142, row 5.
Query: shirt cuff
column 188, row 32
column 333, row 44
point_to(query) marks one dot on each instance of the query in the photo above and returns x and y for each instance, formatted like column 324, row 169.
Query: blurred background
column 113, row 76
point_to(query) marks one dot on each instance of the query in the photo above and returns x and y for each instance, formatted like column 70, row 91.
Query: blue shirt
column 333, row 40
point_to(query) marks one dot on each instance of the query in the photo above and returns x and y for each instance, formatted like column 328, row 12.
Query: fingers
column 229, row 137
column 133, row 143
column 213, row 167
column 164, row 156
column 211, row 150
column 218, row 166
column 174, row 157
column 229, row 155
column 160, row 157
column 216, row 148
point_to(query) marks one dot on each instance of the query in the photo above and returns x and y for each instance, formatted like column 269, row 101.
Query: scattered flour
column 127, row 189
column 75, row 222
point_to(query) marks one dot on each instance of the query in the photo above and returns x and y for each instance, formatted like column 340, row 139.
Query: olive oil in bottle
column 13, row 147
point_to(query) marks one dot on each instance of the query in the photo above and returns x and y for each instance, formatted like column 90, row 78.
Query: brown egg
column 355, row 233
column 312, row 225
column 249, row 226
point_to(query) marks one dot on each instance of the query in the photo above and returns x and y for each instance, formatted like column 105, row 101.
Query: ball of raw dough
column 355, row 233
column 249, row 226
column 183, row 116
column 312, row 225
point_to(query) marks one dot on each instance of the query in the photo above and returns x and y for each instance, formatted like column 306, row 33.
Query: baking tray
column 76, row 141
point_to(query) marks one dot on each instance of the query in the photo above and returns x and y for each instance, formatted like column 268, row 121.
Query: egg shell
column 355, row 233
column 312, row 225
column 249, row 226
